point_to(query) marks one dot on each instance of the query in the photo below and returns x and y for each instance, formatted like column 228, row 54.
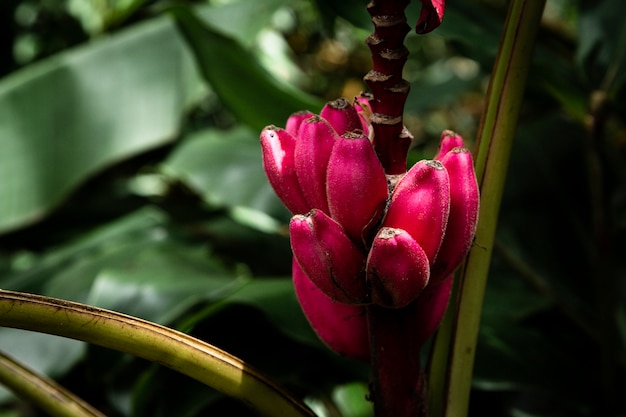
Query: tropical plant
column 136, row 216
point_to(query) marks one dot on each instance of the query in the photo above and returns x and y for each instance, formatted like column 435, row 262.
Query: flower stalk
column 385, row 81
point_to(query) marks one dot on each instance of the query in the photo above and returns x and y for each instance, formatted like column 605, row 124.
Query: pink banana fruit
column 420, row 205
column 278, row 147
column 341, row 116
column 342, row 327
column 449, row 140
column 328, row 257
column 430, row 307
column 314, row 144
column 397, row 268
column 295, row 120
column 356, row 185
column 463, row 217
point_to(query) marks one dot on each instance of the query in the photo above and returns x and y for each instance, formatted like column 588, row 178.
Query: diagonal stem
column 153, row 342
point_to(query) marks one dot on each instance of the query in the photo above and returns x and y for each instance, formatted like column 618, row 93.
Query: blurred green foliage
column 132, row 180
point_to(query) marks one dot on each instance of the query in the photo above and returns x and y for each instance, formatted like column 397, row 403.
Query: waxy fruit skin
column 420, row 205
column 328, row 257
column 342, row 327
column 341, row 116
column 295, row 120
column 314, row 144
column 463, row 217
column 430, row 308
column 278, row 147
column 356, row 185
column 449, row 140
column 397, row 268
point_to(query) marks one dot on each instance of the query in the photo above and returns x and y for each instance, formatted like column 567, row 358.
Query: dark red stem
column 398, row 386
column 385, row 81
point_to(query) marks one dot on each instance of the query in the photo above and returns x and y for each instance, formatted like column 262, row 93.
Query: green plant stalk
column 452, row 362
column 153, row 342
column 46, row 394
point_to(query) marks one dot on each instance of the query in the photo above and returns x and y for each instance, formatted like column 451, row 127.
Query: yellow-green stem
column 44, row 393
column 153, row 342
column 452, row 362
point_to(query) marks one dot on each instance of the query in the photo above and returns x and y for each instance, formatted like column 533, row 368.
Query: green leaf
column 137, row 227
column 96, row 17
column 226, row 169
column 241, row 20
column 66, row 118
column 160, row 282
column 254, row 96
column 352, row 400
column 149, row 275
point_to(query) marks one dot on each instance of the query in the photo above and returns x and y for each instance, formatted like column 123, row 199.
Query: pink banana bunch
column 360, row 237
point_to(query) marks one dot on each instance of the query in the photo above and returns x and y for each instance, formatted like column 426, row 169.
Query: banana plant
column 385, row 255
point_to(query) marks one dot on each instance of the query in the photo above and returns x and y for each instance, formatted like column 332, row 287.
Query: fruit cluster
column 361, row 237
